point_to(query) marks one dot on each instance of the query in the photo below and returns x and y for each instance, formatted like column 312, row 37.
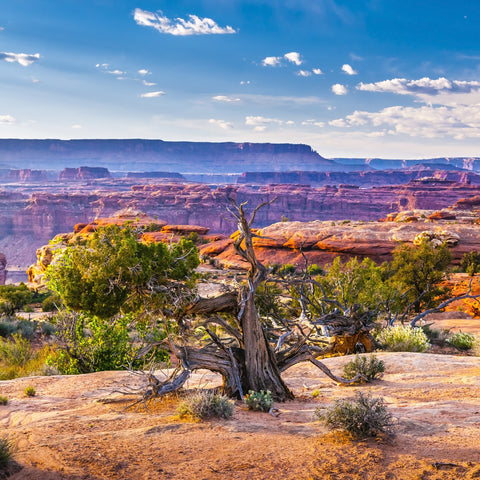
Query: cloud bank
column 179, row 26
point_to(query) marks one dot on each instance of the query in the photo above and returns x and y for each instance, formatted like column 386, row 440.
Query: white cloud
column 339, row 89
column 1, row 29
column 23, row 59
column 293, row 57
column 245, row 82
column 304, row 73
column 317, row 71
column 224, row 98
column 179, row 26
column 458, row 122
column 77, row 127
column 7, row 120
column 35, row 80
column 348, row 69
column 221, row 123
column 277, row 100
column 148, row 84
column 271, row 61
column 261, row 123
column 106, row 68
column 144, row 72
column 115, row 72
column 152, row 94
column 423, row 86
column 312, row 122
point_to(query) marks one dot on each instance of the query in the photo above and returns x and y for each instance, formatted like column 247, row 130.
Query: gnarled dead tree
column 248, row 354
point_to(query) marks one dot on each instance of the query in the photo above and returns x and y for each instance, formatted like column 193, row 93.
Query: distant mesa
column 167, row 175
column 83, row 173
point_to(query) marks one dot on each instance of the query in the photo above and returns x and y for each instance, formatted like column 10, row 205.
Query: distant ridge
column 158, row 155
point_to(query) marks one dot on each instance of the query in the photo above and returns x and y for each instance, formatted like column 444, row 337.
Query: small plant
column 7, row 450
column 16, row 352
column 362, row 417
column 369, row 367
column 462, row 340
column 315, row 393
column 29, row 391
column 3, row 400
column 259, row 401
column 403, row 338
column 204, row 404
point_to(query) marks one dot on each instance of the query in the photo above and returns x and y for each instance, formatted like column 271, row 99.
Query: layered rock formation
column 83, row 173
column 3, row 269
column 29, row 222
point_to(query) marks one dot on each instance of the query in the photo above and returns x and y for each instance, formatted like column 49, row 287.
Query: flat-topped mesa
column 26, row 175
column 83, row 173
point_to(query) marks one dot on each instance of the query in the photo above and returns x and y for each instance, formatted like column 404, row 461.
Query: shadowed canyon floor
column 68, row 431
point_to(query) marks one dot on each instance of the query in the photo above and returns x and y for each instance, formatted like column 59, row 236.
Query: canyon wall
column 28, row 222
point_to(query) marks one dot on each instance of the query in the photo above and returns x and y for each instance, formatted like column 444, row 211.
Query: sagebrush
column 403, row 338
column 205, row 404
column 364, row 416
column 462, row 340
column 369, row 367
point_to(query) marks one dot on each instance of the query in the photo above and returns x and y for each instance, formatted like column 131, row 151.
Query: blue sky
column 363, row 78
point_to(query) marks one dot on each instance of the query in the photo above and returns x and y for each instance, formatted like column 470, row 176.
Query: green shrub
column 3, row 400
column 204, row 404
column 29, row 391
column 403, row 338
column 369, row 367
column 7, row 450
column 7, row 328
column 26, row 328
column 362, row 417
column 51, row 303
column 47, row 329
column 260, row 401
column 462, row 340
column 16, row 352
column 315, row 393
column 470, row 263
column 285, row 270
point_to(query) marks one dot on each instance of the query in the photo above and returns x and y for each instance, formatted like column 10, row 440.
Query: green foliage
column 403, row 338
column 470, row 263
column 418, row 270
column 91, row 344
column 315, row 393
column 3, row 400
column 314, row 270
column 362, row 417
column 462, row 340
column 26, row 329
column 259, row 401
column 370, row 367
column 112, row 271
column 16, row 352
column 204, row 404
column 285, row 270
column 7, row 329
column 51, row 303
column 7, row 450
column 29, row 391
column 13, row 298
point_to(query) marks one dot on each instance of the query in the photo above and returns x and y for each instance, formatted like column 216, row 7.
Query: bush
column 369, row 367
column 470, row 263
column 6, row 329
column 204, row 404
column 29, row 391
column 462, row 340
column 26, row 328
column 363, row 417
column 16, row 352
column 7, row 449
column 3, row 400
column 259, row 401
column 51, row 303
column 403, row 338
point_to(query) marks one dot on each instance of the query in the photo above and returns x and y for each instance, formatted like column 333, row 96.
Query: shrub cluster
column 362, row 417
column 462, row 340
column 259, row 401
column 205, row 404
column 7, row 450
column 403, row 338
column 369, row 367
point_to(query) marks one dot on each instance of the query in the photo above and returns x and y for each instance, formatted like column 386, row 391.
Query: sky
column 351, row 78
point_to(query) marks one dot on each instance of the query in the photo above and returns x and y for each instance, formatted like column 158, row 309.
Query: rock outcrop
column 3, row 269
column 83, row 173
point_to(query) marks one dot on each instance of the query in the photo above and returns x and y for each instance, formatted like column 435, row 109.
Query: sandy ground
column 75, row 428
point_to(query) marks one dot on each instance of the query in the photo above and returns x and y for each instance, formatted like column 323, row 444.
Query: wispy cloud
column 317, row 71
column 423, row 86
column 261, row 123
column 304, row 73
column 144, row 72
column 105, row 67
column 152, row 94
column 179, row 26
column 314, row 123
column 293, row 57
column 339, row 89
column 148, row 84
column 77, row 126
column 245, row 82
column 23, row 59
column 225, row 98
column 7, row 120
column 348, row 69
column 221, row 123
column 458, row 122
